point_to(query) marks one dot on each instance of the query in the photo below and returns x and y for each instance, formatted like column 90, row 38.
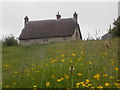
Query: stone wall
column 74, row 36
column 45, row 40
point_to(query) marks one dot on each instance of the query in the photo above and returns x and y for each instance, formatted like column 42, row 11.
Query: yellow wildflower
column 105, row 75
column 67, row 77
column 81, row 82
column 87, row 80
column 35, row 65
column 116, row 69
column 64, row 74
column 113, row 62
column 62, row 60
column 99, row 86
column 112, row 77
column 62, row 78
column 59, row 80
column 14, row 83
column 16, row 72
column 90, row 62
column 82, row 52
column 7, row 85
column 53, row 76
column 115, row 84
column 73, row 54
column 77, row 84
column 28, row 74
column 51, row 62
column 118, row 84
column 47, row 84
column 32, row 68
column 89, row 84
column 97, row 76
column 118, row 80
column 86, row 86
column 107, row 84
column 71, row 61
column 54, row 60
column 35, row 86
column 62, row 55
column 79, row 59
column 79, row 74
column 83, row 85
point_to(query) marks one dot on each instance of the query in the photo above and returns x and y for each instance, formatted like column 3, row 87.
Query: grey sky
column 92, row 15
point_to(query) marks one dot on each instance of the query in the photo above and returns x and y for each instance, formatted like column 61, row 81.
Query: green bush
column 9, row 41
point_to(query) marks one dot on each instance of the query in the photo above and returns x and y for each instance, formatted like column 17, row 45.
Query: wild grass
column 50, row 65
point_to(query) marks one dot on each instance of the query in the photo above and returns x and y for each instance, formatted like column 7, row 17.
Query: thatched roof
column 48, row 28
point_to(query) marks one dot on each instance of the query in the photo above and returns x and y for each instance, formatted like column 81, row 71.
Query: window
column 45, row 39
column 27, row 41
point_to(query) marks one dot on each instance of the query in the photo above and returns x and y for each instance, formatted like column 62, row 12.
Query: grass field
column 73, row 64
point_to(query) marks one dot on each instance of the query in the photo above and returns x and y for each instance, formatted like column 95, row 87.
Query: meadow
column 71, row 64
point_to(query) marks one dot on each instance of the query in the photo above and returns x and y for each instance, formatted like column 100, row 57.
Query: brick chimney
column 75, row 16
column 26, row 19
column 58, row 16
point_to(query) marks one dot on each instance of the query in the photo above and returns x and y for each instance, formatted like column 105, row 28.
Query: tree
column 115, row 31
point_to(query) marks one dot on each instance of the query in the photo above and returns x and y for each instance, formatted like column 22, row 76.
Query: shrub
column 9, row 41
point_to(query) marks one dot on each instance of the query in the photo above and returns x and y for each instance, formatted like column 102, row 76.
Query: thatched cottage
column 56, row 30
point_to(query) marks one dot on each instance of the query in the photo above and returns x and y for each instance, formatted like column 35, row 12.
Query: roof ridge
column 51, row 19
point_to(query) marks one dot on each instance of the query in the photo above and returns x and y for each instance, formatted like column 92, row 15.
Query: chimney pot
column 26, row 19
column 75, row 16
column 58, row 16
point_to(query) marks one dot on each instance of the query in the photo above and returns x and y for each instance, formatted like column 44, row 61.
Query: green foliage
column 115, row 31
column 9, row 41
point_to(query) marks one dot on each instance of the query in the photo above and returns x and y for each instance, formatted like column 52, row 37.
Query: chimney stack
column 58, row 16
column 26, row 19
column 75, row 16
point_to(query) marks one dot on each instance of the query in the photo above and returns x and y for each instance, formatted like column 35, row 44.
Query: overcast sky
column 92, row 16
